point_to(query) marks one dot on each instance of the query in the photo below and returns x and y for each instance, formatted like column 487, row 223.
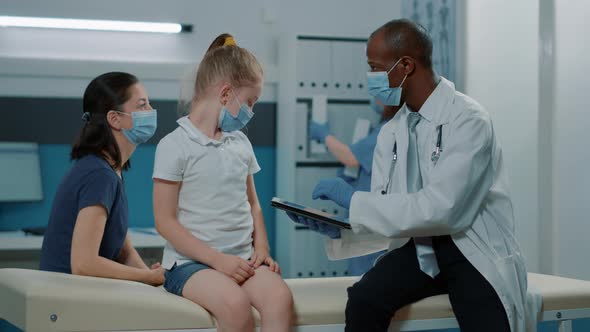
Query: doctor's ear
column 408, row 64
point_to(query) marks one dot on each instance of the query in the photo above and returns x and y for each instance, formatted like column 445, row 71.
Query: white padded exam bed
column 42, row 301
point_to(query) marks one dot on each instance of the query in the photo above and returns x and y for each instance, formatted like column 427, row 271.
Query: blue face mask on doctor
column 228, row 123
column 145, row 124
column 378, row 85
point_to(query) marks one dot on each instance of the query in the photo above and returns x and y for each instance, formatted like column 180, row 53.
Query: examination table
column 38, row 301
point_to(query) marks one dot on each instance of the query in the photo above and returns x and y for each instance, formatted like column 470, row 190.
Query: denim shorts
column 177, row 276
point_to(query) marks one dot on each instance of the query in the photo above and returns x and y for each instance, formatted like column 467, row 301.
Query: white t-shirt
column 213, row 202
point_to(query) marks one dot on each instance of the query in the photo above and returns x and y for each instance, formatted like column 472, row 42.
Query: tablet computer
column 310, row 213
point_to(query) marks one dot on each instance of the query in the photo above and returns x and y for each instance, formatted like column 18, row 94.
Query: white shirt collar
column 196, row 135
column 437, row 100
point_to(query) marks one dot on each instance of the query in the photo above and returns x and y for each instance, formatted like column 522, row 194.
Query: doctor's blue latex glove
column 328, row 230
column 318, row 131
column 336, row 190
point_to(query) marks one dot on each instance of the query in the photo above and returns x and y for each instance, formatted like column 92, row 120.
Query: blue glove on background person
column 318, row 131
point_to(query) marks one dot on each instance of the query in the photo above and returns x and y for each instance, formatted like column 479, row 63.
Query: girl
column 87, row 231
column 205, row 201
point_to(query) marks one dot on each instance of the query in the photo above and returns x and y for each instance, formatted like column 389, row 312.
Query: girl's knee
column 284, row 297
column 280, row 299
column 235, row 307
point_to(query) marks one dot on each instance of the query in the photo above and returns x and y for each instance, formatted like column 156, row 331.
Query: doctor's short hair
column 408, row 38
column 226, row 61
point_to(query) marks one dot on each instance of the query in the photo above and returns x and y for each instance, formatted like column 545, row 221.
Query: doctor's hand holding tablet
column 335, row 189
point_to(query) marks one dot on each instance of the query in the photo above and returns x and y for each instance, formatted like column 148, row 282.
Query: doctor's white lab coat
column 465, row 195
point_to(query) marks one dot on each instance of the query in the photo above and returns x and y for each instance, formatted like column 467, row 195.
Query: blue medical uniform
column 363, row 152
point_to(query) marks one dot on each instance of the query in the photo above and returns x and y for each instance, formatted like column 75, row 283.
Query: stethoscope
column 434, row 158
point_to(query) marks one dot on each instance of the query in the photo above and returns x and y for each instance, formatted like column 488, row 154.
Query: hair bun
column 229, row 41
column 224, row 39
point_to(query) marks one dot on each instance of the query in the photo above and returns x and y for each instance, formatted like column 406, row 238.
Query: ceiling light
column 102, row 25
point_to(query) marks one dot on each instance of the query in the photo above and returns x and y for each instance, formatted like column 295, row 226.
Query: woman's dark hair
column 105, row 93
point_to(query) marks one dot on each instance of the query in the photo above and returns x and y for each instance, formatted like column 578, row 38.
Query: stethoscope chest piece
column 437, row 150
column 435, row 155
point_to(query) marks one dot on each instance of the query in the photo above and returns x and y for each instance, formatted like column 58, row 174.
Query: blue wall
column 138, row 182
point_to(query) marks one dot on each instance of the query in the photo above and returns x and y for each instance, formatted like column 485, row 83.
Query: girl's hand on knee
column 259, row 257
column 272, row 265
column 234, row 267
column 262, row 256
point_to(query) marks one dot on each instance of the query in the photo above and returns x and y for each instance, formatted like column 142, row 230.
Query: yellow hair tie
column 230, row 41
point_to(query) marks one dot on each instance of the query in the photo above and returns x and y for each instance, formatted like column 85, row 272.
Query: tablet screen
column 311, row 213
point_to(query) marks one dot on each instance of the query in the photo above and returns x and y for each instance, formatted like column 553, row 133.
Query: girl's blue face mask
column 378, row 85
column 228, row 123
column 145, row 124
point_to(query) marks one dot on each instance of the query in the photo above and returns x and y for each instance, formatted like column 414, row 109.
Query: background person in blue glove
column 359, row 154
column 439, row 201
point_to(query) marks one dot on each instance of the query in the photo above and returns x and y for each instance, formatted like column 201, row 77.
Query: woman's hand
column 155, row 275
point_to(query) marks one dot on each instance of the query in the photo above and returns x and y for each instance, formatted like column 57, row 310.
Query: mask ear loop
column 240, row 105
column 395, row 64
column 124, row 113
column 237, row 100
column 402, row 83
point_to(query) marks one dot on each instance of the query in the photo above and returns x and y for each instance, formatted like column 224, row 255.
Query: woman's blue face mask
column 144, row 126
column 378, row 85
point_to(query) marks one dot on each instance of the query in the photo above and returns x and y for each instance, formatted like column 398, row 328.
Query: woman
column 87, row 231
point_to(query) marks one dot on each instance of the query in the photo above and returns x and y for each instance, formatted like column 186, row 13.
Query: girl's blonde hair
column 225, row 60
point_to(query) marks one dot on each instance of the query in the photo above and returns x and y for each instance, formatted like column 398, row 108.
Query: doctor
column 439, row 201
